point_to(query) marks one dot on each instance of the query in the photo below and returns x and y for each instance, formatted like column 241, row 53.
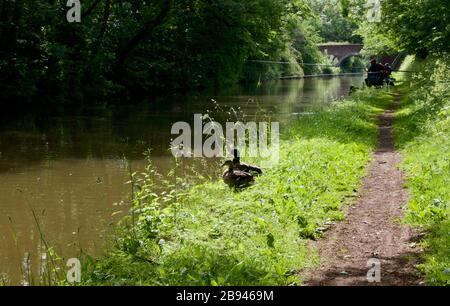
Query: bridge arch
column 341, row 51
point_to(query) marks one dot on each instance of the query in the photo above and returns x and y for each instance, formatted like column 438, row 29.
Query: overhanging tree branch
column 91, row 8
column 146, row 31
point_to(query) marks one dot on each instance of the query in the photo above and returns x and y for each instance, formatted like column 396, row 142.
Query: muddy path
column 371, row 236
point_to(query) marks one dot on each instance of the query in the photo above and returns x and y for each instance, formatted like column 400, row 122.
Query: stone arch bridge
column 341, row 52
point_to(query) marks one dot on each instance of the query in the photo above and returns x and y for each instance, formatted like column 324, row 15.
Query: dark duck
column 236, row 178
column 238, row 165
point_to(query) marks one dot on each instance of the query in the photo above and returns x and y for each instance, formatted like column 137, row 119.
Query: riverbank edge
column 210, row 235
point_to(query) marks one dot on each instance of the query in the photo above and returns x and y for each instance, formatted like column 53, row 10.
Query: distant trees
column 335, row 20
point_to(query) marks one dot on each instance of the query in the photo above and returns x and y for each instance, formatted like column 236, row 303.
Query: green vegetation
column 129, row 50
column 336, row 20
column 353, row 64
column 206, row 234
column 422, row 132
column 418, row 27
column 199, row 232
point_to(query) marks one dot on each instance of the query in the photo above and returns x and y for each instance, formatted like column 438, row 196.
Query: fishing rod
column 405, row 71
column 319, row 75
column 322, row 65
column 288, row 63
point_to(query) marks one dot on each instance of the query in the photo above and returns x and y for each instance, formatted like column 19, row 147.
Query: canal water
column 63, row 179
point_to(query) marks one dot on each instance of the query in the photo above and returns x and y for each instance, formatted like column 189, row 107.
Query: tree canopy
column 416, row 27
column 335, row 20
column 131, row 49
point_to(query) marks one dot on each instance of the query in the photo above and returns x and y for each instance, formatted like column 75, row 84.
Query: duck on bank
column 235, row 178
column 238, row 165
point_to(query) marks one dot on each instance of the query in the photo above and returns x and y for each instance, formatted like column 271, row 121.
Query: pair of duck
column 239, row 175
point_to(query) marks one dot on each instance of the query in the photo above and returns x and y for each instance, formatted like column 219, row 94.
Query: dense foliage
column 335, row 20
column 131, row 49
column 417, row 27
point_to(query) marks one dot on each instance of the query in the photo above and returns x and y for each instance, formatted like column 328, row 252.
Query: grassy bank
column 422, row 132
column 208, row 235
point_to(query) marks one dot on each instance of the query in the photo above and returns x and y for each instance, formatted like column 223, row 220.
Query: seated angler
column 375, row 73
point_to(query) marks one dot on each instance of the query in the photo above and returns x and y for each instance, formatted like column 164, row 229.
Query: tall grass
column 422, row 132
column 50, row 266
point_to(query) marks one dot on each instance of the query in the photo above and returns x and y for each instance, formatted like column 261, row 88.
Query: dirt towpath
column 371, row 230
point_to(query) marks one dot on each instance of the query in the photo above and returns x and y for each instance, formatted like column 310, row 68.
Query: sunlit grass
column 209, row 235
